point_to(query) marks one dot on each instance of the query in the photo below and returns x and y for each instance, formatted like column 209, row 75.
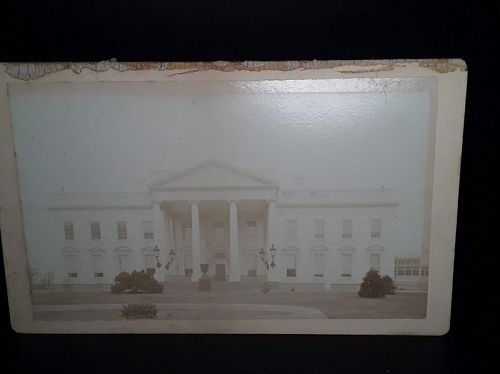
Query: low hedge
column 139, row 311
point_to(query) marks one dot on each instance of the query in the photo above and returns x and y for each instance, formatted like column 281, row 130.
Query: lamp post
column 157, row 254
column 171, row 258
column 265, row 261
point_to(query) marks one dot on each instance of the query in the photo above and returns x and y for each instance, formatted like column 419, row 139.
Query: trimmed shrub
column 136, row 282
column 372, row 285
column 389, row 285
column 139, row 311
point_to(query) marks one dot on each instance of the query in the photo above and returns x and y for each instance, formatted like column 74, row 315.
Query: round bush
column 372, row 286
column 136, row 282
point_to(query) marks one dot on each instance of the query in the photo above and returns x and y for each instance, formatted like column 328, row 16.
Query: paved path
column 179, row 311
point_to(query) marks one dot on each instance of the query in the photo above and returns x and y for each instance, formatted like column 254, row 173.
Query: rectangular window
column 220, row 231
column 319, row 228
column 148, row 227
column 346, row 265
column 95, row 230
column 123, row 261
column 376, row 228
column 291, row 265
column 252, row 265
column 291, row 229
column 346, row 228
column 425, row 271
column 187, row 232
column 319, row 264
column 188, row 265
column 407, row 267
column 251, row 229
column 69, row 232
column 121, row 229
column 150, row 263
column 98, row 265
column 375, row 262
column 71, row 267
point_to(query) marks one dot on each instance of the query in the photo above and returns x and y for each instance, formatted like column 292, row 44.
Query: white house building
column 223, row 216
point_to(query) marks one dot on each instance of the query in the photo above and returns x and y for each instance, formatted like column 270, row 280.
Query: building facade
column 229, row 219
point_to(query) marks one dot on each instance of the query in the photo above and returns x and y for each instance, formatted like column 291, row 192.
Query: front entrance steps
column 247, row 283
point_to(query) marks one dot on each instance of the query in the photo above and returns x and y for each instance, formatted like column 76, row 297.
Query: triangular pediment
column 213, row 174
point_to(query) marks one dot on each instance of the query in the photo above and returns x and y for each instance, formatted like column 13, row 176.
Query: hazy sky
column 107, row 137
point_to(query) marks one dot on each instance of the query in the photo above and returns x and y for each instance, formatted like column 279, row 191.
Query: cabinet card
column 303, row 197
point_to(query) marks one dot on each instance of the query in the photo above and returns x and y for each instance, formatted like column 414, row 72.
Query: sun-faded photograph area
column 225, row 200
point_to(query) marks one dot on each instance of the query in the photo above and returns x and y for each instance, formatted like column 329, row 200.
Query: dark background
column 156, row 30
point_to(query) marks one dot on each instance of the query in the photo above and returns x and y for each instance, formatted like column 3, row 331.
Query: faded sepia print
column 226, row 200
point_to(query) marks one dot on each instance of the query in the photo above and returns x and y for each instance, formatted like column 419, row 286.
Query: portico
column 214, row 214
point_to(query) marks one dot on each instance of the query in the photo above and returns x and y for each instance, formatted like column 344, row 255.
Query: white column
column 234, row 267
column 159, row 228
column 273, row 273
column 195, row 240
column 174, row 266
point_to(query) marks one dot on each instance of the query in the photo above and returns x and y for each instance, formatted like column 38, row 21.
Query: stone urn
column 205, row 282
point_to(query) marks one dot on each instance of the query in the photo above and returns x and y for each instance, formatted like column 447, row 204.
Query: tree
column 389, row 285
column 372, row 285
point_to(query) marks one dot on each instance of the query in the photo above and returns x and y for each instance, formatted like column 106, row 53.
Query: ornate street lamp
column 266, row 262
column 171, row 258
column 157, row 254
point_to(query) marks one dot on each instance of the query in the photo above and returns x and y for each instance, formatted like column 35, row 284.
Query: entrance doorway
column 220, row 272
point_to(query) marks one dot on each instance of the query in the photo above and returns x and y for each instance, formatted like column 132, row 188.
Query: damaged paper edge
column 32, row 71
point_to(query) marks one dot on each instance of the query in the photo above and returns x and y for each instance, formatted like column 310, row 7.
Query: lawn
column 332, row 304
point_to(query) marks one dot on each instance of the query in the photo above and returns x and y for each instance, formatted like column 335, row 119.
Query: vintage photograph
column 226, row 200
column 309, row 197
